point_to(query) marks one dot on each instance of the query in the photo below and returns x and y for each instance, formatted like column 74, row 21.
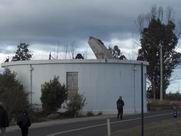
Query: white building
column 100, row 81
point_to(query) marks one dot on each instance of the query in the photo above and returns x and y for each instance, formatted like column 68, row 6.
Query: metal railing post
column 108, row 127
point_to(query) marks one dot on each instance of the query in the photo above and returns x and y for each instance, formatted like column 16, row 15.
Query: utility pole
column 142, row 102
column 31, row 69
column 161, row 73
column 134, row 99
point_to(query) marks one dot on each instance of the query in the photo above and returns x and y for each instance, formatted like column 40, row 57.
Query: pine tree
column 22, row 53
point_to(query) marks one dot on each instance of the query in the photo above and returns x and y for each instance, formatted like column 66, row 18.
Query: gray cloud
column 61, row 21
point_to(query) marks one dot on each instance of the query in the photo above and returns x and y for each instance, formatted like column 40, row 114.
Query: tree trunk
column 153, row 90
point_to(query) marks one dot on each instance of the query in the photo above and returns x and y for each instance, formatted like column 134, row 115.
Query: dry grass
column 171, row 127
column 156, row 105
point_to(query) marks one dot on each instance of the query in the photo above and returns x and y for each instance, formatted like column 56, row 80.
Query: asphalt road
column 91, row 127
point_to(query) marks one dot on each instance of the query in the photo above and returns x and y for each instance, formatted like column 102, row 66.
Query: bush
column 90, row 113
column 37, row 116
column 12, row 94
column 75, row 105
column 53, row 95
column 100, row 113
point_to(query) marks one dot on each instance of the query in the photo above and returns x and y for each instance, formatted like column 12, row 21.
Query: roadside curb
column 73, row 120
column 61, row 121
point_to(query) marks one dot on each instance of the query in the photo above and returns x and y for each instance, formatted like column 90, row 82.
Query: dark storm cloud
column 51, row 21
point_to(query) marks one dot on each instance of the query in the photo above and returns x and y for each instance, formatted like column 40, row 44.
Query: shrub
column 100, row 113
column 75, row 105
column 37, row 116
column 12, row 94
column 90, row 113
column 53, row 95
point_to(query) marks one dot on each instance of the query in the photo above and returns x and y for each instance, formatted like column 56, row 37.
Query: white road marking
column 103, row 124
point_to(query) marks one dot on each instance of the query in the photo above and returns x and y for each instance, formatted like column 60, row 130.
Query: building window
column 72, row 83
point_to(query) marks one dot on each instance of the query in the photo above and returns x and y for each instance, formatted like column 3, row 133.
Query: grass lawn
column 171, row 127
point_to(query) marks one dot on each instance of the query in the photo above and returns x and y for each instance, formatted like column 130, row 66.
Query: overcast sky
column 56, row 25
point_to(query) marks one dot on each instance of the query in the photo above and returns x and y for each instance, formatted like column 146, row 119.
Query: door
column 72, row 83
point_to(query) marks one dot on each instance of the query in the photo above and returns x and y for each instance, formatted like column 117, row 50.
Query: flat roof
column 73, row 61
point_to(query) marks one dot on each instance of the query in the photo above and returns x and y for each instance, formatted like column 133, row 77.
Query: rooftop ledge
column 73, row 61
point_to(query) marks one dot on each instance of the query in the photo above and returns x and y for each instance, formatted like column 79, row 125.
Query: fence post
column 108, row 127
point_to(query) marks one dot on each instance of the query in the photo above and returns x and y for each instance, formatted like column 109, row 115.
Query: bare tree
column 72, row 49
column 155, row 12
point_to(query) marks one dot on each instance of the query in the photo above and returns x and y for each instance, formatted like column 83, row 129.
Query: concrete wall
column 100, row 81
